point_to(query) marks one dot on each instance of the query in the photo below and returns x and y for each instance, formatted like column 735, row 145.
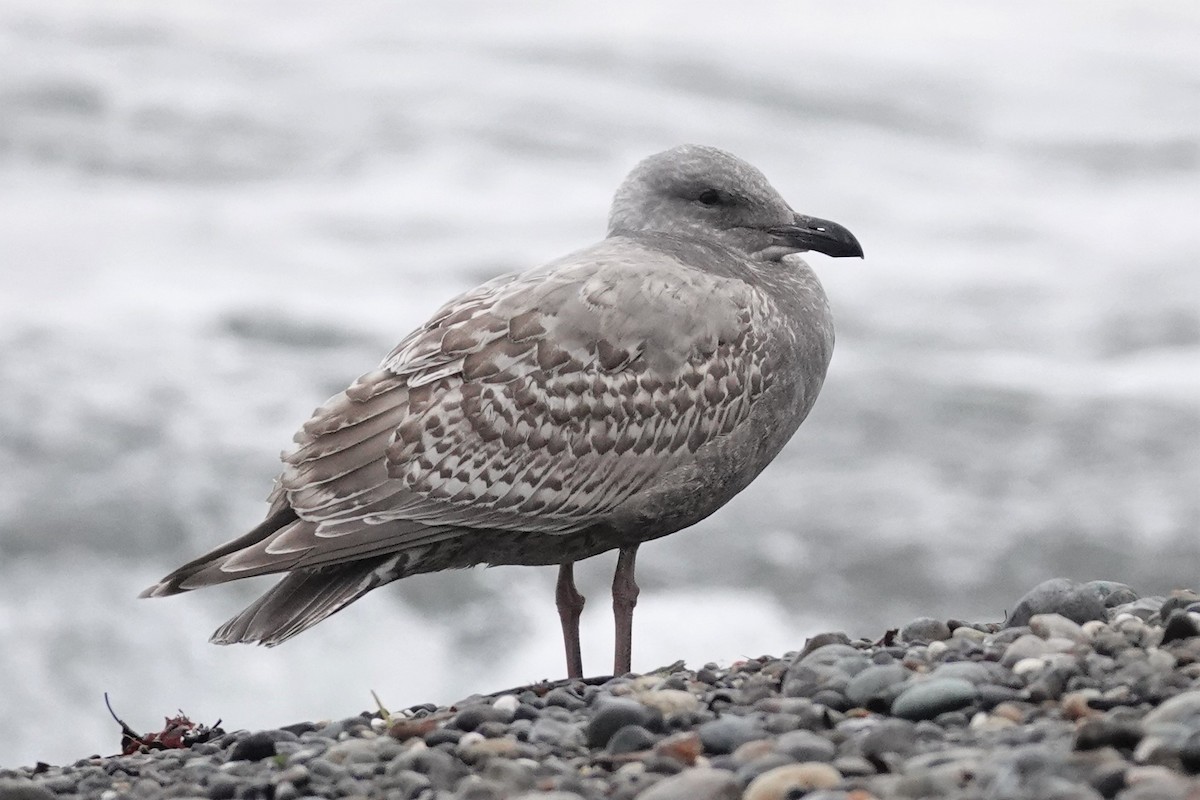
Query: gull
column 610, row 397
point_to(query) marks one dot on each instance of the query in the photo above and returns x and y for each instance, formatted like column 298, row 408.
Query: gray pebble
column 873, row 682
column 630, row 739
column 804, row 745
column 831, row 654
column 925, row 629
column 18, row 789
column 927, row 699
column 1182, row 708
column 565, row 698
column 728, row 733
column 888, row 741
column 1079, row 603
column 551, row 730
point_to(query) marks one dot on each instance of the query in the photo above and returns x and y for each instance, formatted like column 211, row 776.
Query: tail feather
column 305, row 597
column 174, row 583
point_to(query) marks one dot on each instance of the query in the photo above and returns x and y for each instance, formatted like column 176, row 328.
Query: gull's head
column 697, row 191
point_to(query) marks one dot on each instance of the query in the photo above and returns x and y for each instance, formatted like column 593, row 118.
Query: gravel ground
column 1087, row 691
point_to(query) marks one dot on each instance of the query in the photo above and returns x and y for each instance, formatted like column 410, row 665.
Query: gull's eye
column 709, row 197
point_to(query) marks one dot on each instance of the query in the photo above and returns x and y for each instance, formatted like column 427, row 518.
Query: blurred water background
column 215, row 215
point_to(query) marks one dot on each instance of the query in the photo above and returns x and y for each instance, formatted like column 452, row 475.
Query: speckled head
column 698, row 191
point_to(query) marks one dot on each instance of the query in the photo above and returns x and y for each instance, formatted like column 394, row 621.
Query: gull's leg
column 570, row 606
column 625, row 595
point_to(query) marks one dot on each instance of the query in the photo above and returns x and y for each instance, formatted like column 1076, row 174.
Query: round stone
column 253, row 747
column 611, row 715
column 1051, row 626
column 697, row 783
column 728, row 733
column 631, row 739
column 873, row 682
column 668, row 701
column 1060, row 596
column 805, row 745
column 927, row 699
column 1182, row 708
column 925, row 629
column 792, row 780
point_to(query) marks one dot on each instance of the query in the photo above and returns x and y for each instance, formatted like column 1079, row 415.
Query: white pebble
column 969, row 633
column 507, row 703
column 469, row 739
column 1028, row 666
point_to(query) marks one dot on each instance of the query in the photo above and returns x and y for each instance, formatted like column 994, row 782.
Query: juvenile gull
column 616, row 395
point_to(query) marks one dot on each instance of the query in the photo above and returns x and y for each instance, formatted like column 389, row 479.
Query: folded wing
column 537, row 403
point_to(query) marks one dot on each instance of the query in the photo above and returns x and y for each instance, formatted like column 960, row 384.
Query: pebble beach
column 1085, row 690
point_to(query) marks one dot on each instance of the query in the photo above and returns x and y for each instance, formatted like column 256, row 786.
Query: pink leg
column 625, row 595
column 570, row 606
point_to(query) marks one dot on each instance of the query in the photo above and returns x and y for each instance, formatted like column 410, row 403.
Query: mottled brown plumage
column 616, row 395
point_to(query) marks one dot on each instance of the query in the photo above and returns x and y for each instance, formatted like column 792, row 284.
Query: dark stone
column 1100, row 732
column 257, row 790
column 1180, row 625
column 526, row 711
column 442, row 736
column 663, row 765
column 299, row 728
column 631, row 739
column 1179, row 600
column 471, row 717
column 832, row 698
column 1109, row 779
column 254, row 747
column 1189, row 753
column 991, row 695
column 611, row 716
column 728, row 733
column 929, row 698
column 222, row 787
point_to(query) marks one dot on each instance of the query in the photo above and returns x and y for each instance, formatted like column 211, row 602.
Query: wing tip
column 160, row 589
